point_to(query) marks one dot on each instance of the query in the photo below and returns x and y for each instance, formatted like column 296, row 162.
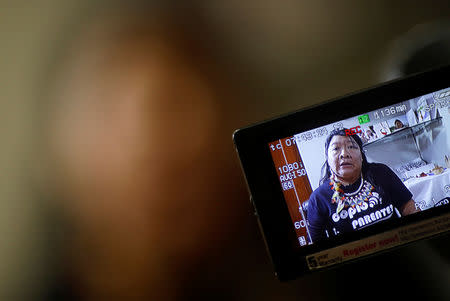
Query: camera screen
column 368, row 169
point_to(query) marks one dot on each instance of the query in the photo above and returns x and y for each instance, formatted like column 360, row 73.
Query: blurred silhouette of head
column 140, row 143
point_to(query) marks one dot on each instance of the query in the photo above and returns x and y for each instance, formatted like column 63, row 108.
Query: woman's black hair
column 365, row 170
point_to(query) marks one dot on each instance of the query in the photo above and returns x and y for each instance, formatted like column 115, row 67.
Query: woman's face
column 344, row 158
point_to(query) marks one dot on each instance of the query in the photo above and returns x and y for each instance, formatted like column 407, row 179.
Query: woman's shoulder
column 380, row 172
column 320, row 198
column 378, row 167
column 324, row 189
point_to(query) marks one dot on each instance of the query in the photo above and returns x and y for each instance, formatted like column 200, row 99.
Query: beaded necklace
column 343, row 200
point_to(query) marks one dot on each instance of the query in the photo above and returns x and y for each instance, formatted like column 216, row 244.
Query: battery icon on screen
column 363, row 119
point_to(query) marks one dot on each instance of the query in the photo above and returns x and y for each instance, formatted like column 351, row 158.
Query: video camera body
column 353, row 176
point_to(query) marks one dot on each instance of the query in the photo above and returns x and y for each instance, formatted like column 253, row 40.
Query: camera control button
column 253, row 205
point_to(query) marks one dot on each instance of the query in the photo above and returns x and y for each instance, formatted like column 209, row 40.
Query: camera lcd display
column 354, row 176
column 364, row 170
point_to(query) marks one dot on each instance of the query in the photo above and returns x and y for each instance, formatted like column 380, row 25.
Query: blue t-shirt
column 325, row 222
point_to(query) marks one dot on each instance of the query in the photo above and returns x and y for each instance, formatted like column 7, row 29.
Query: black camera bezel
column 265, row 190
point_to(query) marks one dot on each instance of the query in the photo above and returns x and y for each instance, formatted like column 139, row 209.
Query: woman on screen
column 353, row 193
